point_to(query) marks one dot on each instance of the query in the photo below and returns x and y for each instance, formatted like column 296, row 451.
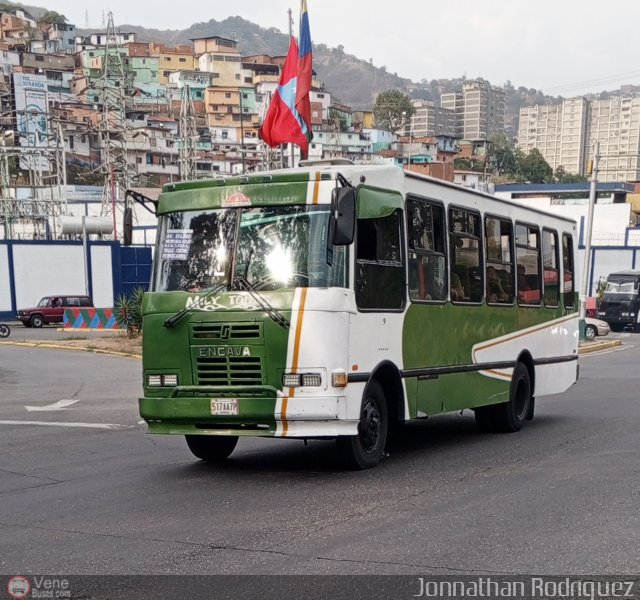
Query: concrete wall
column 30, row 270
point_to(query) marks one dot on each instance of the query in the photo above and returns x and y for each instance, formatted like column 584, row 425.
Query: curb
column 597, row 346
column 75, row 348
column 89, row 331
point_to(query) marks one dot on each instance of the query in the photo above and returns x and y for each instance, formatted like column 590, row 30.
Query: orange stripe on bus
column 316, row 188
column 294, row 360
column 283, row 416
column 515, row 337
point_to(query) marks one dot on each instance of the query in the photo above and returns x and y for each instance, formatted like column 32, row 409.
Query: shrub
column 128, row 312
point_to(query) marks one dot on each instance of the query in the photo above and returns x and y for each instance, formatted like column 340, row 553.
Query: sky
column 564, row 47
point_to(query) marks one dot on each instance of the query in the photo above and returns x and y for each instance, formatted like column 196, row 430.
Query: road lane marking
column 111, row 426
column 63, row 404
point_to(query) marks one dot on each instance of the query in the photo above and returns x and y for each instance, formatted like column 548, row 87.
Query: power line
column 553, row 90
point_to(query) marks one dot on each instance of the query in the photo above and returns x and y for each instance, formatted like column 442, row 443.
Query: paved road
column 94, row 494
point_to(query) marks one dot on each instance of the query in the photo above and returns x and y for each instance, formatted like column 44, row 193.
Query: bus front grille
column 227, row 331
column 232, row 370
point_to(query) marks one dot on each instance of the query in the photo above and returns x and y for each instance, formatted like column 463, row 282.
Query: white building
column 479, row 109
column 430, row 120
column 565, row 135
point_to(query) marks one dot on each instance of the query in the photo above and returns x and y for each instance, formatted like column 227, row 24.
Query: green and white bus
column 337, row 301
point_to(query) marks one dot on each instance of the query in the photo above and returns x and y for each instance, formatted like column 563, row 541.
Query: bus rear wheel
column 366, row 449
column 510, row 416
column 211, row 448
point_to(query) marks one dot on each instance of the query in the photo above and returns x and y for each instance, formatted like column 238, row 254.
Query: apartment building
column 566, row 133
column 558, row 131
column 172, row 59
column 615, row 125
column 478, row 108
column 430, row 120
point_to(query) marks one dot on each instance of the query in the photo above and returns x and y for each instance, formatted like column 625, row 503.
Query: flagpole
column 290, row 13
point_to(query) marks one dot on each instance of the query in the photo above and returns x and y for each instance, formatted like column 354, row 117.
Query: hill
column 351, row 80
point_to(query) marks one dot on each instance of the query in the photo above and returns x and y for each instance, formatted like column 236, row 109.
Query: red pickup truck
column 51, row 310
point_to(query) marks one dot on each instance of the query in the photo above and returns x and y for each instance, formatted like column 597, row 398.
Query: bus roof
column 384, row 176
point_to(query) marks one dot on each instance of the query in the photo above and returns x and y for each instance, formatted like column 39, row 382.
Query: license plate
column 224, row 407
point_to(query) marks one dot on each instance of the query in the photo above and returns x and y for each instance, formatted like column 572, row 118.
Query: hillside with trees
column 351, row 80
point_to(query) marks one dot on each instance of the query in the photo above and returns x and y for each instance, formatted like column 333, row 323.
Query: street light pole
column 242, row 131
column 587, row 245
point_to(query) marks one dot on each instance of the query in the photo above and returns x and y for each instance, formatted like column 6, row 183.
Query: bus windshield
column 271, row 247
column 621, row 287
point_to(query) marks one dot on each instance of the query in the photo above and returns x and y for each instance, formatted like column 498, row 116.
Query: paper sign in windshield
column 177, row 244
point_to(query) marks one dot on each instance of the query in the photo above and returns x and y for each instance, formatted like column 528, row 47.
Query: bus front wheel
column 366, row 449
column 211, row 448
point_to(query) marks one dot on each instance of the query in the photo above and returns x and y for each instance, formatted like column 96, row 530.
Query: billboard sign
column 32, row 111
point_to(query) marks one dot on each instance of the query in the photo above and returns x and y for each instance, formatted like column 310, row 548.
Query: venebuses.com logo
column 18, row 587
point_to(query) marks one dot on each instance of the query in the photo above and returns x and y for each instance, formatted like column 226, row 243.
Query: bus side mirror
column 343, row 209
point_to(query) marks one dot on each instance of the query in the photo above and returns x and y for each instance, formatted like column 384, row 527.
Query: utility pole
column 4, row 177
column 188, row 135
column 113, row 85
column 242, row 132
column 587, row 245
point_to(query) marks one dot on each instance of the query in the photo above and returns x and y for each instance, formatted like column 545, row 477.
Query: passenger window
column 427, row 251
column 551, row 264
column 380, row 276
column 74, row 302
column 466, row 277
column 568, row 271
column 528, row 264
column 499, row 260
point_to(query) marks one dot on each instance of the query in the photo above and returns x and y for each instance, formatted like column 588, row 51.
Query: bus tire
column 510, row 416
column 211, row 448
column 366, row 449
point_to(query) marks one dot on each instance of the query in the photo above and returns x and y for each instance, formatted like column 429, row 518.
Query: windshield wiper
column 171, row 321
column 275, row 315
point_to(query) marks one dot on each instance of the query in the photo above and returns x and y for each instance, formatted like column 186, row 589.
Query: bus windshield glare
column 271, row 247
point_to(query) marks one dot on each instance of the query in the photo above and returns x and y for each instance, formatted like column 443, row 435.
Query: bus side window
column 567, row 268
column 499, row 260
column 465, row 241
column 380, row 276
column 551, row 265
column 427, row 251
column 528, row 264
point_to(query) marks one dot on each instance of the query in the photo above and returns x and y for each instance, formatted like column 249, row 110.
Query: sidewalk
column 596, row 346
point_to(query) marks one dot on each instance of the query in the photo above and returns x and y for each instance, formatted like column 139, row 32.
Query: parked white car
column 594, row 327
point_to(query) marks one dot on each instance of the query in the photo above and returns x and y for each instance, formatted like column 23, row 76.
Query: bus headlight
column 294, row 380
column 168, row 380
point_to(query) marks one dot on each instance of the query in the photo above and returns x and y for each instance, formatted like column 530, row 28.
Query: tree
column 392, row 110
column 533, row 168
column 561, row 176
column 502, row 155
column 52, row 17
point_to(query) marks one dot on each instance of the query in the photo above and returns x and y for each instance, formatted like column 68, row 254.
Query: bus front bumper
column 282, row 416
